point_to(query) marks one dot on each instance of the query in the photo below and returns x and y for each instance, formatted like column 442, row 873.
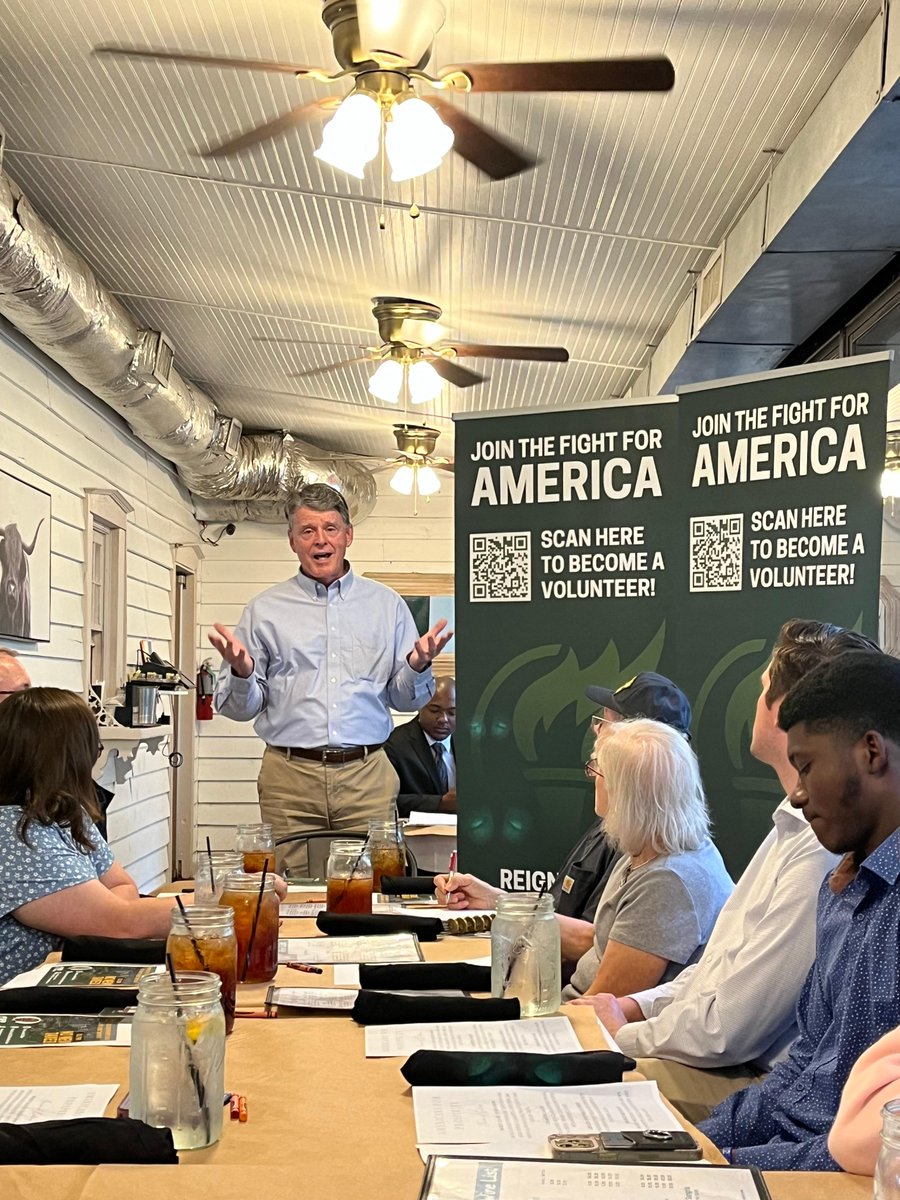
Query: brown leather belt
column 329, row 756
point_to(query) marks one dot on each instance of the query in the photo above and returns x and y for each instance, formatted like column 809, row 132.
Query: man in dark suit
column 421, row 752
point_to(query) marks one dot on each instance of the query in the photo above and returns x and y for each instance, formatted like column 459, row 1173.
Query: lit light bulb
column 890, row 484
column 415, row 139
column 428, row 480
column 403, row 479
column 387, row 381
column 351, row 137
column 424, row 383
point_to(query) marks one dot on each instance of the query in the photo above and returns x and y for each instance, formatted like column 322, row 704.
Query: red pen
column 304, row 967
column 235, row 1103
column 451, row 873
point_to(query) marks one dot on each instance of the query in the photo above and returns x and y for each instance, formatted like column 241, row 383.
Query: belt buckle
column 331, row 754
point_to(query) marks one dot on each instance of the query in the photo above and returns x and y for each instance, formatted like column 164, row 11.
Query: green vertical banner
column 565, row 522
column 780, row 516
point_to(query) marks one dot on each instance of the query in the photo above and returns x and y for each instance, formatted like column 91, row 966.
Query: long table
column 324, row 1122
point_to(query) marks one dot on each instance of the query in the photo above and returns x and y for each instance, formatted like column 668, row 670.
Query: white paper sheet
column 454, row 1180
column 332, row 998
column 487, row 1114
column 432, row 818
column 387, row 948
column 302, row 908
column 21, row 1105
column 553, row 1035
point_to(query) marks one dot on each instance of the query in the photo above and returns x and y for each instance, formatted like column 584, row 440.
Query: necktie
column 440, row 767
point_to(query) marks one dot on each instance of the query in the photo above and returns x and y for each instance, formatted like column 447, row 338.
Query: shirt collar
column 785, row 815
column 885, row 860
column 316, row 590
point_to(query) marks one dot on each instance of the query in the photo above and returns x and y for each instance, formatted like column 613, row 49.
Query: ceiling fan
column 414, row 467
column 414, row 358
column 384, row 47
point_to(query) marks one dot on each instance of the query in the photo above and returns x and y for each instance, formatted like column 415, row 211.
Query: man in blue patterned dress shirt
column 843, row 727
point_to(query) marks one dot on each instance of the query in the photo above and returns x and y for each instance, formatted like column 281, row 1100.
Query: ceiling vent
column 155, row 357
column 709, row 289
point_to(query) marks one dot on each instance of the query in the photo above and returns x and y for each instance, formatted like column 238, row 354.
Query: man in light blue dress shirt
column 317, row 662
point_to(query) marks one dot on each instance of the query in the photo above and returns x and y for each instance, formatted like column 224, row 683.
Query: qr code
column 499, row 566
column 717, row 545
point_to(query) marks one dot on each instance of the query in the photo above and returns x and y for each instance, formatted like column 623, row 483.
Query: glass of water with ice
column 177, row 1076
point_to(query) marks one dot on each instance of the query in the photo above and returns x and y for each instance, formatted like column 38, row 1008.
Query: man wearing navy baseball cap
column 580, row 881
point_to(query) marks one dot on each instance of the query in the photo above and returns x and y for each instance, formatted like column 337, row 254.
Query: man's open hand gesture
column 232, row 650
column 428, row 647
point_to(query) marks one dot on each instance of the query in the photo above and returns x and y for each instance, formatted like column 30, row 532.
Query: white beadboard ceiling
column 591, row 250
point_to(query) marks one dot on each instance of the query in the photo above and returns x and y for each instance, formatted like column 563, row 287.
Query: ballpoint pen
column 450, row 874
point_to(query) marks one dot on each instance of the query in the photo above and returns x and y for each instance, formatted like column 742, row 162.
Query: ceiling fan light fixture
column 403, row 479
column 351, row 138
column 416, row 140
column 424, row 382
column 428, row 481
column 394, row 30
column 387, row 381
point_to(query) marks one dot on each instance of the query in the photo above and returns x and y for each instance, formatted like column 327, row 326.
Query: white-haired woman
column 664, row 894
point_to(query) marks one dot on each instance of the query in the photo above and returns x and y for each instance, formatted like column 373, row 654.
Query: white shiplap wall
column 391, row 539
column 56, row 438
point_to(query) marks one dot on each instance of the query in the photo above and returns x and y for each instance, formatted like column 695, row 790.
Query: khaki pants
column 300, row 796
column 695, row 1092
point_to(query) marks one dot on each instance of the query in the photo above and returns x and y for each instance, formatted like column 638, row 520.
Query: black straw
column 262, row 884
column 197, row 951
column 192, row 1066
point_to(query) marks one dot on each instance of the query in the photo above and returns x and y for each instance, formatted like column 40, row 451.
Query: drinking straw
column 197, row 951
column 522, row 943
column 192, row 1066
column 212, row 874
column 262, row 884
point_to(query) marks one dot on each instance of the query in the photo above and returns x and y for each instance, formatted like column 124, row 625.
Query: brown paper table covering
column 323, row 1119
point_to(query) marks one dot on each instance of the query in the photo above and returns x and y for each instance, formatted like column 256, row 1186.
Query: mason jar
column 387, row 849
column 525, row 952
column 255, row 905
column 177, row 1069
column 203, row 939
column 349, row 877
column 887, row 1168
column 257, row 844
column 210, row 869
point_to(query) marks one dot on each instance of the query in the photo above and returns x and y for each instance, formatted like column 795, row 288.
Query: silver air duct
column 52, row 296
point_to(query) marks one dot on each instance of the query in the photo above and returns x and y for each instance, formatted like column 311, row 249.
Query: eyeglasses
column 590, row 769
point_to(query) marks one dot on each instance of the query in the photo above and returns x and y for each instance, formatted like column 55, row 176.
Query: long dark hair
column 49, row 742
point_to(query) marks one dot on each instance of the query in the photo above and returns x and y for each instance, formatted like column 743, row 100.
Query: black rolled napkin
column 114, row 950
column 451, row 1068
column 382, row 1008
column 65, row 999
column 407, row 885
column 426, row 929
column 85, row 1141
column 414, row 977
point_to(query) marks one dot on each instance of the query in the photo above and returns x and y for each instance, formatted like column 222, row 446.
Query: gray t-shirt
column 48, row 862
column 666, row 907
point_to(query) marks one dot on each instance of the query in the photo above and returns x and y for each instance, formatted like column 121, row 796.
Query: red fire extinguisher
column 206, row 685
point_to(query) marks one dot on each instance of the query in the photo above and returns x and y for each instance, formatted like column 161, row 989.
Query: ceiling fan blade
column 202, row 60
column 455, row 374
column 345, row 362
column 289, row 120
column 478, row 145
column 523, row 353
column 589, row 75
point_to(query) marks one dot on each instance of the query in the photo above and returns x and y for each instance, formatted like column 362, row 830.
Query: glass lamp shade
column 428, row 480
column 890, row 484
column 351, row 137
column 397, row 30
column 387, row 381
column 415, row 139
column 424, row 383
column 403, row 479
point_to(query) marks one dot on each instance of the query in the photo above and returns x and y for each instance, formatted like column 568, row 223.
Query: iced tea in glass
column 257, row 844
column 257, row 947
column 349, row 878
column 203, row 939
column 387, row 850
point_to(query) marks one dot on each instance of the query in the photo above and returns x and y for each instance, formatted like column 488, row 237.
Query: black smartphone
column 645, row 1145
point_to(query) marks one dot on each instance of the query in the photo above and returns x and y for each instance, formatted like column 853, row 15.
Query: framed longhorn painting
column 24, row 560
